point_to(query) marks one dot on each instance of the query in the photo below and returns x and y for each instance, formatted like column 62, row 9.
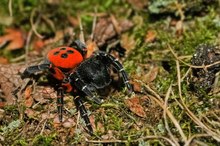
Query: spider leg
column 118, row 66
column 34, row 69
column 75, row 79
column 83, row 112
column 60, row 96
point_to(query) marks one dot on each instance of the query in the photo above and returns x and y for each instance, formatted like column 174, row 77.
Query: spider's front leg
column 76, row 81
column 60, row 96
column 34, row 69
column 79, row 84
column 83, row 112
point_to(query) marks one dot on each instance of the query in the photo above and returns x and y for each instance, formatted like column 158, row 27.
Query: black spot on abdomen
column 62, row 48
column 69, row 51
column 64, row 55
column 56, row 53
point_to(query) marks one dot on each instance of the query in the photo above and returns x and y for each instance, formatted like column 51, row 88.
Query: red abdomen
column 65, row 57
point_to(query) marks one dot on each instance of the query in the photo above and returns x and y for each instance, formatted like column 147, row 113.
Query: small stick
column 81, row 35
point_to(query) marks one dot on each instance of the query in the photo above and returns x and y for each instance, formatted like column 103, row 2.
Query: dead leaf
column 27, row 96
column 136, row 86
column 9, row 80
column 2, row 113
column 15, row 37
column 45, row 115
column 138, row 4
column 150, row 36
column 151, row 75
column 91, row 48
column 38, row 45
column 173, row 22
column 128, row 42
column 92, row 121
column 30, row 113
column 69, row 123
column 135, row 106
column 44, row 93
column 73, row 21
column 3, row 60
column 105, row 29
column 2, row 104
column 56, row 122
column 179, row 28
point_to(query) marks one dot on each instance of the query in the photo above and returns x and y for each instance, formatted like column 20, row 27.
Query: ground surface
column 170, row 50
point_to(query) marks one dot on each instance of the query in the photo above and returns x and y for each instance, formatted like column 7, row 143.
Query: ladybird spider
column 76, row 73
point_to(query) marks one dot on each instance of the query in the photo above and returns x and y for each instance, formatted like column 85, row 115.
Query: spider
column 75, row 73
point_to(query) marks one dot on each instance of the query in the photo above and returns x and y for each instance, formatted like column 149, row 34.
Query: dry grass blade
column 161, row 103
column 165, row 117
column 215, row 135
column 33, row 25
column 131, row 141
column 193, row 137
column 94, row 25
column 10, row 8
column 81, row 35
column 192, row 66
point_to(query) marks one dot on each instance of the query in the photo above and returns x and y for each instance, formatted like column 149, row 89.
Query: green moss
column 20, row 142
column 43, row 140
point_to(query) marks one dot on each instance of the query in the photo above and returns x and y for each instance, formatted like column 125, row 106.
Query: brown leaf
column 173, row 22
column 128, row 42
column 105, row 29
column 179, row 28
column 150, row 36
column 2, row 113
column 73, row 21
column 151, row 75
column 138, row 4
column 15, row 37
column 2, row 104
column 136, row 86
column 9, row 80
column 3, row 60
column 27, row 96
column 43, row 93
column 30, row 113
column 69, row 123
column 135, row 106
column 91, row 48
column 56, row 122
column 92, row 121
column 38, row 45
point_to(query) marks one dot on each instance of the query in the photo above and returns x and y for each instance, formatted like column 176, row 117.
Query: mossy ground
column 174, row 114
